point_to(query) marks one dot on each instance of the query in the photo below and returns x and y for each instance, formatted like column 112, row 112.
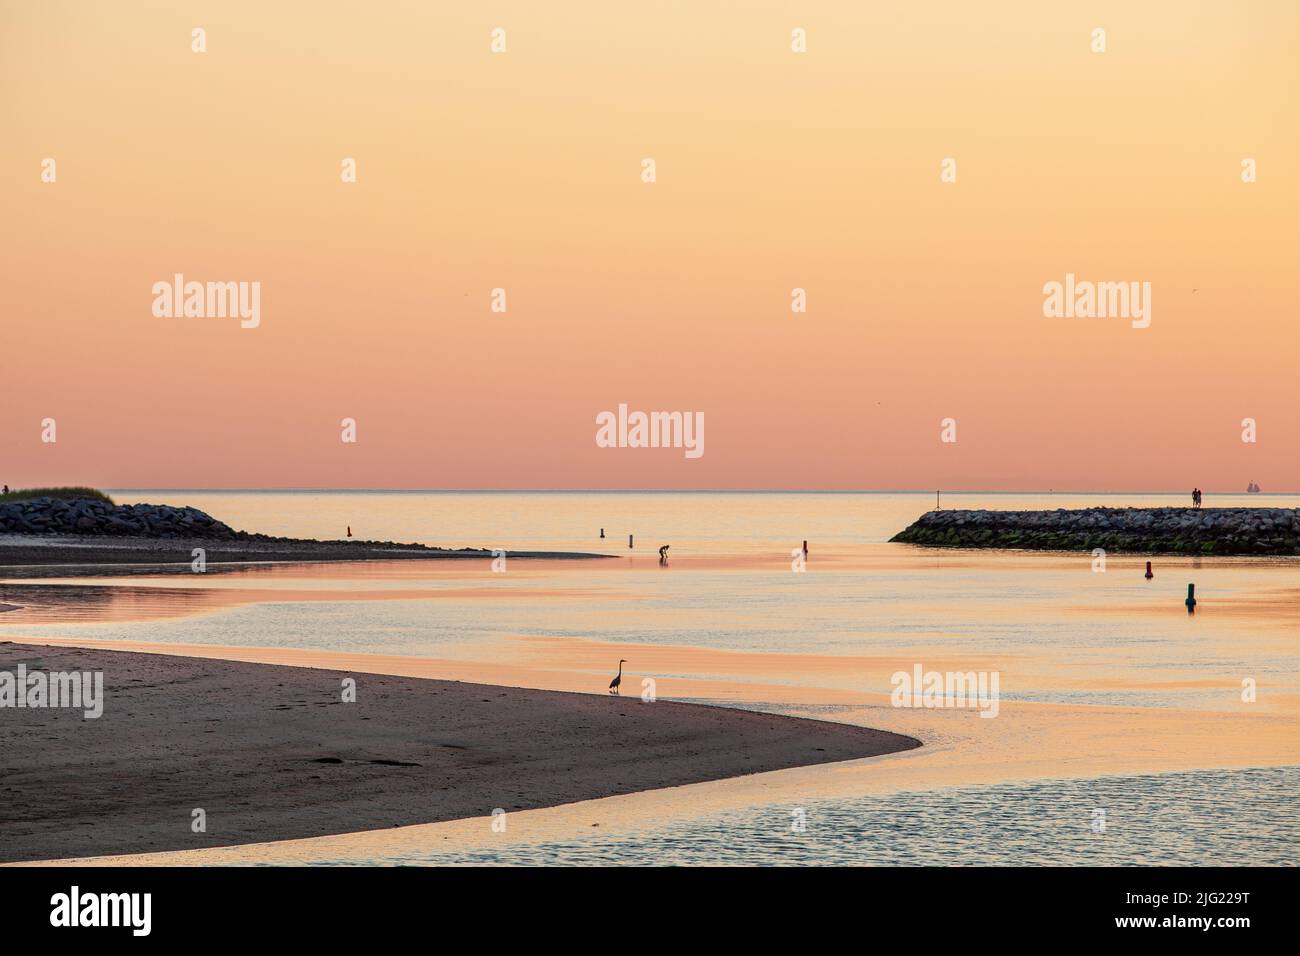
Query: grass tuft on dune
column 67, row 494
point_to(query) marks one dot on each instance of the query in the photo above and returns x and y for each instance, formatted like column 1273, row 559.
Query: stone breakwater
column 1134, row 530
column 90, row 517
column 41, row 535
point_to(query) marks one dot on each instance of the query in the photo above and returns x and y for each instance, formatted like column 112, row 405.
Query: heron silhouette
column 617, row 681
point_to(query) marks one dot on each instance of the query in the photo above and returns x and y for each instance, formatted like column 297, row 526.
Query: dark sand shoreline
column 272, row 753
column 24, row 556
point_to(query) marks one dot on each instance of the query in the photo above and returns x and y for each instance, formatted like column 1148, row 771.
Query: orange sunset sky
column 775, row 170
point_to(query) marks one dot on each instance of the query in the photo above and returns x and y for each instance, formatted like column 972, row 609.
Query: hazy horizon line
column 691, row 491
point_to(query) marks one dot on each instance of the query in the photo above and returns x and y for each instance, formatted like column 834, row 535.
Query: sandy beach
column 273, row 753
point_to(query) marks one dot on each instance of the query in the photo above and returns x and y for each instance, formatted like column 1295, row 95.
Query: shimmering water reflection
column 1200, row 818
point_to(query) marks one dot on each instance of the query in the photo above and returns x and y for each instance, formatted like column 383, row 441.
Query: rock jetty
column 1135, row 530
column 92, row 518
column 87, row 516
column 40, row 535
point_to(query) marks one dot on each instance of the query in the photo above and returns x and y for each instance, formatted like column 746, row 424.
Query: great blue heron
column 614, row 684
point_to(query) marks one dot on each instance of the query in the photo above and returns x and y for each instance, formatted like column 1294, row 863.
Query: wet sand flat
column 27, row 555
column 272, row 752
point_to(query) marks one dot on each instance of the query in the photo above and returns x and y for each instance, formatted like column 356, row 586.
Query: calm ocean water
column 707, row 522
column 730, row 621
column 729, row 586
column 1157, row 820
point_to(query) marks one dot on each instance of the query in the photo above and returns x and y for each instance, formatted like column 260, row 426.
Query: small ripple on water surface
column 1199, row 818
